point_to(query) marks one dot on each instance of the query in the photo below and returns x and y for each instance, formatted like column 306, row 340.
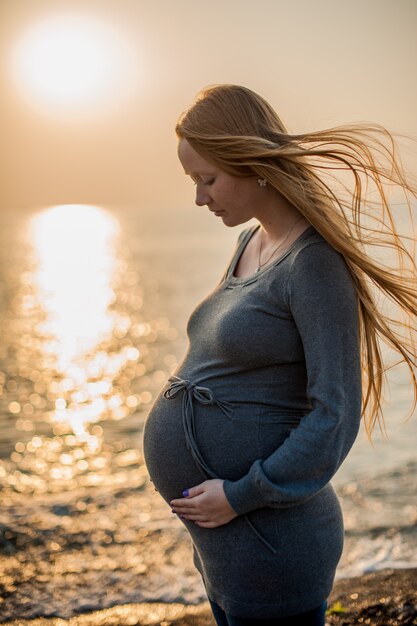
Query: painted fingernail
column 185, row 493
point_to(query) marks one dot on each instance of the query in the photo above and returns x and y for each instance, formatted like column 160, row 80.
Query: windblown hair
column 330, row 176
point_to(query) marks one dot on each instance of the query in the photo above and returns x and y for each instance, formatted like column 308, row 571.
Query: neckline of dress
column 251, row 231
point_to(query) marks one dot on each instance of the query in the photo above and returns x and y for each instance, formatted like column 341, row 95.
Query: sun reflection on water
column 74, row 249
column 82, row 356
column 75, row 268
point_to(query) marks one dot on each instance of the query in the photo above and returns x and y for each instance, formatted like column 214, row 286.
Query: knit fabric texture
column 268, row 398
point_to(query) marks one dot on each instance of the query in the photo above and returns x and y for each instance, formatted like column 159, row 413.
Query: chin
column 233, row 221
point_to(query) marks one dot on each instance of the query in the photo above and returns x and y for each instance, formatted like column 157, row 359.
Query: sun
column 72, row 62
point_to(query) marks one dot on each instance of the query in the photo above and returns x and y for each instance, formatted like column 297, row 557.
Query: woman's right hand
column 206, row 505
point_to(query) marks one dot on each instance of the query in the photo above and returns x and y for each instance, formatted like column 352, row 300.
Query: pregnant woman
column 247, row 433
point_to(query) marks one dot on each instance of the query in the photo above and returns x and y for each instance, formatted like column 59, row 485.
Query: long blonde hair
column 236, row 129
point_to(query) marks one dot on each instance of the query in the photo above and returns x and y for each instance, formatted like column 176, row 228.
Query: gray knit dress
column 268, row 398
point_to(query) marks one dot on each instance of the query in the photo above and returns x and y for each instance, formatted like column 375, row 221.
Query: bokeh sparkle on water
column 78, row 353
column 83, row 355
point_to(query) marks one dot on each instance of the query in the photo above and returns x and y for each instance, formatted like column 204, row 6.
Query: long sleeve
column 322, row 301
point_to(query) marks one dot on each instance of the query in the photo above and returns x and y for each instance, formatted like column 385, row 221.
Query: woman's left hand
column 206, row 505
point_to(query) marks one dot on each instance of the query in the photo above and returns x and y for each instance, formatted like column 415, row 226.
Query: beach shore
column 385, row 598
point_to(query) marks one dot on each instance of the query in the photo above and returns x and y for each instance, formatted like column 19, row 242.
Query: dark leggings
column 316, row 617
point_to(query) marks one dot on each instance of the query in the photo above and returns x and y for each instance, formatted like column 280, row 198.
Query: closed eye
column 208, row 182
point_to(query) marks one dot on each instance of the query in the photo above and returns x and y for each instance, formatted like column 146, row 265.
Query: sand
column 386, row 598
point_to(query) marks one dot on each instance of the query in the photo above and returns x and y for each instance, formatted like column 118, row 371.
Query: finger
column 180, row 512
column 183, row 503
column 191, row 501
column 186, row 509
column 207, row 524
column 195, row 518
column 191, row 492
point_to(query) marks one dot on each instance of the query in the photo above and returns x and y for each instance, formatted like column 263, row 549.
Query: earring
column 262, row 182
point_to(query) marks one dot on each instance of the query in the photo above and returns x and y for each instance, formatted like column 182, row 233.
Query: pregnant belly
column 229, row 444
column 169, row 462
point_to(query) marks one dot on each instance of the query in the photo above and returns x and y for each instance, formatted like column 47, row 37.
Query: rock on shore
column 386, row 598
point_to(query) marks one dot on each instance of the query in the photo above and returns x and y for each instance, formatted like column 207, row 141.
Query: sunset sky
column 91, row 89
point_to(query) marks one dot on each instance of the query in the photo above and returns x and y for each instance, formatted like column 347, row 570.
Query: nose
column 201, row 196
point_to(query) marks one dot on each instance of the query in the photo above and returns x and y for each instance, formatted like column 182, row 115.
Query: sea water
column 93, row 308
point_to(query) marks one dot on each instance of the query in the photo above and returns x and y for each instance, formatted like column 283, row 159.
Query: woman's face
column 232, row 198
